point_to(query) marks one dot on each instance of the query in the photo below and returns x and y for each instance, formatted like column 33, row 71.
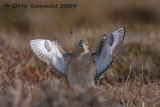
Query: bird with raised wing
column 82, row 68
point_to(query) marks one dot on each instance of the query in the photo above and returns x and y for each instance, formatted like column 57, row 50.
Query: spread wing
column 52, row 53
column 109, row 46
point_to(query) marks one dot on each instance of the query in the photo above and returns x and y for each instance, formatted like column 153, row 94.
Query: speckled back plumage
column 81, row 70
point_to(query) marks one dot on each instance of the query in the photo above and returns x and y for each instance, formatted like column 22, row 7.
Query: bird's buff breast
column 81, row 71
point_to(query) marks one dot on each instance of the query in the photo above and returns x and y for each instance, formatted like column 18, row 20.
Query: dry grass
column 23, row 82
column 132, row 81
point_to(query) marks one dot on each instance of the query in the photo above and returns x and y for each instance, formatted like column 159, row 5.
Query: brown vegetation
column 132, row 81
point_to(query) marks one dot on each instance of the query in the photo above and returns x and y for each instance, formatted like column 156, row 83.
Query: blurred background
column 88, row 21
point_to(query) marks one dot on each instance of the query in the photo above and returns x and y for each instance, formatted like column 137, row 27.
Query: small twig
column 143, row 104
column 130, row 68
column 108, row 85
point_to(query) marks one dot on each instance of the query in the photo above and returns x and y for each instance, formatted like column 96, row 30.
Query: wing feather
column 51, row 53
column 38, row 48
column 109, row 46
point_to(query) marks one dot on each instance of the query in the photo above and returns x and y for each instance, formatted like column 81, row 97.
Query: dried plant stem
column 143, row 105
column 130, row 68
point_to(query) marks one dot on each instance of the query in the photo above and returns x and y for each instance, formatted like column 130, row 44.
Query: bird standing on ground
column 83, row 67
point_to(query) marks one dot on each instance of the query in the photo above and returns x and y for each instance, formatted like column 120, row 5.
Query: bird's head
column 83, row 46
